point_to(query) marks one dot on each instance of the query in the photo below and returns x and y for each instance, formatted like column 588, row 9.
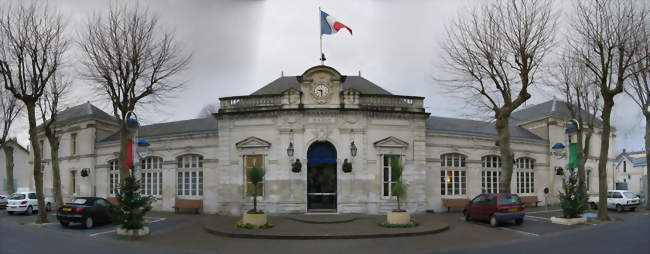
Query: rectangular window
column 249, row 161
column 452, row 182
column 624, row 166
column 151, row 183
column 587, row 179
column 73, row 143
column 187, row 183
column 490, row 181
column 525, row 182
column 389, row 177
column 114, row 177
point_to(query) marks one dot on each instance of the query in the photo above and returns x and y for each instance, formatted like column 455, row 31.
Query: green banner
column 573, row 155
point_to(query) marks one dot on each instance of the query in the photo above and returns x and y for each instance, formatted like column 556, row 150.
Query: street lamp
column 353, row 149
column 290, row 149
column 559, row 150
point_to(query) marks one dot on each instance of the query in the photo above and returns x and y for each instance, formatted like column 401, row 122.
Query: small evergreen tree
column 132, row 207
column 255, row 176
column 399, row 189
column 573, row 200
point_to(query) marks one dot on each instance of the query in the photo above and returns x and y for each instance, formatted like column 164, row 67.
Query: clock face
column 321, row 91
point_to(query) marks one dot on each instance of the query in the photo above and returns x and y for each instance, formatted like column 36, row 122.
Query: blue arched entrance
column 321, row 177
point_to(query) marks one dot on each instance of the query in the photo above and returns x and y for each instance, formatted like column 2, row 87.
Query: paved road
column 183, row 234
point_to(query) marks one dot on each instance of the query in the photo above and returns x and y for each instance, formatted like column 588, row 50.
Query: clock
column 321, row 91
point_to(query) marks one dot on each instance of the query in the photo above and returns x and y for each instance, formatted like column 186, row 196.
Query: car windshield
column 17, row 196
column 509, row 200
column 629, row 195
column 78, row 201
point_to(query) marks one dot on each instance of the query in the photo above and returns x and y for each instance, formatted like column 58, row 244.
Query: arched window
column 453, row 174
column 151, row 176
column 113, row 177
column 525, row 175
column 189, row 175
column 491, row 173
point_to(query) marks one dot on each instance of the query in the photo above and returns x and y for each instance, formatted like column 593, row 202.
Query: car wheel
column 29, row 210
column 619, row 208
column 493, row 221
column 64, row 223
column 594, row 206
column 48, row 207
column 519, row 221
column 89, row 223
column 466, row 216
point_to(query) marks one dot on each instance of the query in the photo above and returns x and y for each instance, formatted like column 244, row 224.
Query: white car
column 618, row 199
column 25, row 202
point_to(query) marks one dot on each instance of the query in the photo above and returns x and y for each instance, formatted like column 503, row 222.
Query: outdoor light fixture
column 559, row 150
column 353, row 149
column 290, row 149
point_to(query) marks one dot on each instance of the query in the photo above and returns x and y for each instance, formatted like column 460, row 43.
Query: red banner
column 129, row 154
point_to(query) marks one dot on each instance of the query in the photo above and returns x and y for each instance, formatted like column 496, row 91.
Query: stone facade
column 207, row 159
column 23, row 172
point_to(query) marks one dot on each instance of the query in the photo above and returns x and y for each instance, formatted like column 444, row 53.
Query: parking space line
column 538, row 218
column 101, row 233
column 545, row 211
column 518, row 231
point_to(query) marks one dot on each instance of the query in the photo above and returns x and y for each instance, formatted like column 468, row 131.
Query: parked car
column 3, row 201
column 495, row 208
column 88, row 211
column 617, row 199
column 26, row 202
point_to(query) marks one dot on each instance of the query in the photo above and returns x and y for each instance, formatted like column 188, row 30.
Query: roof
column 549, row 108
column 184, row 127
column 467, row 127
column 358, row 83
column 636, row 158
column 82, row 111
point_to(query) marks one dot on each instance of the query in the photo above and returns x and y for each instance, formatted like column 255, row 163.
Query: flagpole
column 320, row 35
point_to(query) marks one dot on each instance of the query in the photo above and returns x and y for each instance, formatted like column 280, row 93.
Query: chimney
column 624, row 151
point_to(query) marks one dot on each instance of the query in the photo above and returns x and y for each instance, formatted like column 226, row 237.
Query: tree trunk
column 124, row 142
column 38, row 175
column 583, row 155
column 507, row 157
column 647, row 156
column 9, row 162
column 56, row 173
column 602, row 161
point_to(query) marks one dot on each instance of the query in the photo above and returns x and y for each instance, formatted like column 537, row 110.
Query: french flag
column 330, row 25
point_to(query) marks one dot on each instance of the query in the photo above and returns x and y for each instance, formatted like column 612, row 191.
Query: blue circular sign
column 546, row 190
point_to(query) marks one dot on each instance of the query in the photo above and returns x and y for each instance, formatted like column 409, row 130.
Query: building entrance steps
column 287, row 227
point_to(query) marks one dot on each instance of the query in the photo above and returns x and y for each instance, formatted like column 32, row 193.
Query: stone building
column 320, row 118
column 631, row 167
column 22, row 172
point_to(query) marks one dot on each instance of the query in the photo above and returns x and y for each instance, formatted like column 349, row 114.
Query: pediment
column 391, row 142
column 253, row 142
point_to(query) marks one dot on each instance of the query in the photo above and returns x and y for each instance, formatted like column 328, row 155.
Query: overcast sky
column 239, row 46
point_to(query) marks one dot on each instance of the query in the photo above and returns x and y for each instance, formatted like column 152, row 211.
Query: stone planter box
column 568, row 222
column 254, row 219
column 133, row 232
column 398, row 218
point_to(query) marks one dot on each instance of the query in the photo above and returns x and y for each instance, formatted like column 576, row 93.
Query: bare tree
column 130, row 60
column 208, row 110
column 49, row 106
column 638, row 87
column 606, row 35
column 31, row 53
column 10, row 111
column 583, row 102
column 494, row 53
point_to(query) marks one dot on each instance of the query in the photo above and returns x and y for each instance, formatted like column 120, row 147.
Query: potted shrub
column 296, row 166
column 347, row 166
column 131, row 209
column 572, row 201
column 398, row 216
column 255, row 217
column 84, row 172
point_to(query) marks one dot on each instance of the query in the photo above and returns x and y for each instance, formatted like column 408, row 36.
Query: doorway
column 321, row 177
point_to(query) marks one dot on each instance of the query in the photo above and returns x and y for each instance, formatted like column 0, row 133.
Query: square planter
column 254, row 219
column 398, row 218
column 133, row 232
column 568, row 222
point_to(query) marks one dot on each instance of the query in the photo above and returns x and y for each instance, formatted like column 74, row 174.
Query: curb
column 324, row 236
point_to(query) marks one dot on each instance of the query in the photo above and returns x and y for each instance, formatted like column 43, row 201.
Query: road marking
column 536, row 218
column 518, row 231
column 546, row 211
column 101, row 233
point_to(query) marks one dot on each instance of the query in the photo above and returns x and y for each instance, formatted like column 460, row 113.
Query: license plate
column 512, row 210
column 67, row 209
column 14, row 207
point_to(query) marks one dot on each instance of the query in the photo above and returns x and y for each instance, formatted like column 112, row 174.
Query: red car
column 495, row 208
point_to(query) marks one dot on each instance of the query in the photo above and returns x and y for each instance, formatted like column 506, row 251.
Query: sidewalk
column 301, row 227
